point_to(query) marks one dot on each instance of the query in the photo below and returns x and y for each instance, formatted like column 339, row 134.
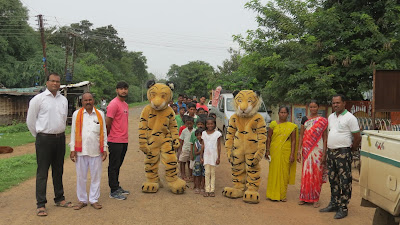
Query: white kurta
column 90, row 157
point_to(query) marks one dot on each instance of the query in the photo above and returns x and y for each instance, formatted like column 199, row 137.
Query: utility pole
column 66, row 56
column 69, row 66
column 41, row 28
column 73, row 53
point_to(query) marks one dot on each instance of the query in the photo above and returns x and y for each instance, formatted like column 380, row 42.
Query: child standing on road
column 198, row 170
column 213, row 115
column 179, row 117
column 175, row 108
column 184, row 149
column 201, row 111
column 191, row 111
column 211, row 151
column 200, row 125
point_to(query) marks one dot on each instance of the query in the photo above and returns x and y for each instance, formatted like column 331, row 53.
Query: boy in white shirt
column 184, row 149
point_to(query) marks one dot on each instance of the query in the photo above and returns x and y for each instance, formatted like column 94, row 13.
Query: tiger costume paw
column 251, row 197
column 149, row 187
column 230, row 192
column 178, row 186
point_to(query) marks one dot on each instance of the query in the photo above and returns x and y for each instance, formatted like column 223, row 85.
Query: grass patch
column 21, row 138
column 138, row 104
column 16, row 139
column 67, row 129
column 16, row 170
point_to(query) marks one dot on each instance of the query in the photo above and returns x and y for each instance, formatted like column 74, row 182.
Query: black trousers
column 116, row 158
column 50, row 151
column 340, row 178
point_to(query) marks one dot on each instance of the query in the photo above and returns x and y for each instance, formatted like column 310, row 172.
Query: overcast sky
column 167, row 32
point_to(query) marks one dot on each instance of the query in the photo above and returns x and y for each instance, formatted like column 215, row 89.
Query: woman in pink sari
column 312, row 151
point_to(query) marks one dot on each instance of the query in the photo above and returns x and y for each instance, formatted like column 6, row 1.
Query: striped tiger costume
column 158, row 138
column 245, row 146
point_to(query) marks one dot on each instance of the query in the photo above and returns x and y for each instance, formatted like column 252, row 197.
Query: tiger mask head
column 159, row 94
column 247, row 102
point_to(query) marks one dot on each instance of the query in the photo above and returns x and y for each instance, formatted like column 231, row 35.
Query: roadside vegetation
column 138, row 104
column 18, row 134
column 18, row 169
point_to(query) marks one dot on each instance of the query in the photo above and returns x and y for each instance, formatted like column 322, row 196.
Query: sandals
column 196, row 191
column 206, row 194
column 315, row 204
column 212, row 194
column 65, row 204
column 80, row 205
column 96, row 205
column 41, row 211
column 284, row 200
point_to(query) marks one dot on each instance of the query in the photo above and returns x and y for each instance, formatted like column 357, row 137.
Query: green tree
column 192, row 78
column 18, row 43
column 227, row 76
column 89, row 68
column 132, row 68
column 100, row 49
column 312, row 49
column 102, row 41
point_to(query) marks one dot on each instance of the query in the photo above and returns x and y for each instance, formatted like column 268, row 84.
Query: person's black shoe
column 329, row 208
column 340, row 214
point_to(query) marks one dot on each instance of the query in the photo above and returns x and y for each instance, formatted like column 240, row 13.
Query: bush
column 16, row 127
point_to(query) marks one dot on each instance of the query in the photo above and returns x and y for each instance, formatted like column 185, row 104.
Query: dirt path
column 17, row 205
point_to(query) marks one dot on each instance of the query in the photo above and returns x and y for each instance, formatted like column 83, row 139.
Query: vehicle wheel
column 382, row 217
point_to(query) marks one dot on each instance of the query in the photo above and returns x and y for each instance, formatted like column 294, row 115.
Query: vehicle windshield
column 230, row 107
column 229, row 104
column 262, row 108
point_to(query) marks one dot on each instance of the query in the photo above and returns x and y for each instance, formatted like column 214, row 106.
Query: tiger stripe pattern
column 245, row 146
column 158, row 139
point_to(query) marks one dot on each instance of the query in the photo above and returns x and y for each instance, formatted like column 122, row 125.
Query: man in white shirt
column 46, row 119
column 88, row 150
column 344, row 136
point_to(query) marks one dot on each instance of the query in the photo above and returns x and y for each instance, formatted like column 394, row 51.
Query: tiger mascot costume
column 245, row 146
column 158, row 138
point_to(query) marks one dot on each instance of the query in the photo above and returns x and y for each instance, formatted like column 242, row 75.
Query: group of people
column 200, row 147
column 92, row 133
column 324, row 155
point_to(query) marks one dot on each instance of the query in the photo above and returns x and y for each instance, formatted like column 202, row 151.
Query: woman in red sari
column 312, row 151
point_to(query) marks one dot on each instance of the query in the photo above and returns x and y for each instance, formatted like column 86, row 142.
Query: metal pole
column 73, row 54
column 373, row 97
column 66, row 55
column 41, row 28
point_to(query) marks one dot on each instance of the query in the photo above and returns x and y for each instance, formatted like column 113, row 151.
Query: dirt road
column 17, row 205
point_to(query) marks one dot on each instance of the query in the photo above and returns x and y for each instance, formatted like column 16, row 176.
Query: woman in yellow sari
column 281, row 147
